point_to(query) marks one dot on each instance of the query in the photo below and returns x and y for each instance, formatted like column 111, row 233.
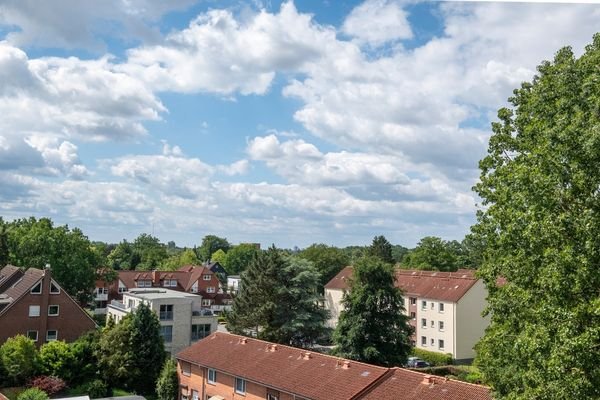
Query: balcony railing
column 118, row 304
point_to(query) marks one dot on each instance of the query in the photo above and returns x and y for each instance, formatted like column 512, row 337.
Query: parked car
column 416, row 362
column 421, row 364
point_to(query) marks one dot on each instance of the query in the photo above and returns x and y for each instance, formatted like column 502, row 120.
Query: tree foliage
column 4, row 250
column 381, row 248
column 279, row 300
column 373, row 327
column 19, row 358
column 149, row 251
column 33, row 394
column 541, row 229
column 49, row 384
column 35, row 243
column 167, row 385
column 327, row 260
column 114, row 353
column 210, row 244
column 57, row 359
column 433, row 253
column 239, row 257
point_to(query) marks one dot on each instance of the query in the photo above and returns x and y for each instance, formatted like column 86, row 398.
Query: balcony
column 117, row 304
column 101, row 297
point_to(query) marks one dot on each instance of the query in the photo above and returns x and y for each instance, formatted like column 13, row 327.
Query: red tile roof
column 403, row 384
column 285, row 368
column 435, row 285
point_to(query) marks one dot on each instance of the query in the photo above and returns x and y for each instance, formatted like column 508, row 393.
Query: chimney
column 156, row 277
column 47, row 266
column 346, row 365
column 306, row 356
column 428, row 380
column 272, row 348
column 243, row 340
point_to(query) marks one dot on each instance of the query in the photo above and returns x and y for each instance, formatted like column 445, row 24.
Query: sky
column 262, row 121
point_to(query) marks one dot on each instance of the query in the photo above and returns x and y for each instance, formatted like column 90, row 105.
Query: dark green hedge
column 432, row 358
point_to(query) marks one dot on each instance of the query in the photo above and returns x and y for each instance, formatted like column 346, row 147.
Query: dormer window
column 37, row 289
column 206, row 277
column 144, row 283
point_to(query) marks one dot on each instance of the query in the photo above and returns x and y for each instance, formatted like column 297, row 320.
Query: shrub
column 19, row 358
column 49, row 384
column 97, row 389
column 433, row 358
column 167, row 385
column 33, row 394
column 57, row 359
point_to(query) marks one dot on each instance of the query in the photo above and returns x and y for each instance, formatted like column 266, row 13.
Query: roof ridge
column 316, row 353
column 445, row 379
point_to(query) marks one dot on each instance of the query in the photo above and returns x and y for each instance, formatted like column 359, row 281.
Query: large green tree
column 57, row 359
column 279, row 300
column 541, row 228
column 121, row 256
column 239, row 257
column 19, row 358
column 327, row 260
column 373, row 327
column 35, row 243
column 114, row 353
column 167, row 385
column 381, row 248
column 149, row 251
column 210, row 244
column 433, row 253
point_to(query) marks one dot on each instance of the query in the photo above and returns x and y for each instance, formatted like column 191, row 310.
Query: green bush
column 97, row 389
column 33, row 394
column 432, row 358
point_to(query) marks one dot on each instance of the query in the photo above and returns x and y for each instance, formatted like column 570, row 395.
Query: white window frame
column 186, row 368
column 433, row 323
column 413, row 301
column 206, row 302
column 413, row 315
column 36, row 335
column 243, row 384
column 432, row 305
column 32, row 312
column 423, row 322
column 55, row 285
column 441, row 325
column 48, row 338
column 441, row 307
column 271, row 396
column 210, row 289
column 423, row 305
column 57, row 310
column 122, row 289
column 37, row 286
column 441, row 344
column 206, row 277
column 432, row 342
column 195, row 394
column 211, row 380
column 424, row 341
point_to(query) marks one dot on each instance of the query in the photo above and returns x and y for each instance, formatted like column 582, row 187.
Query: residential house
column 190, row 279
column 445, row 308
column 229, row 367
column 182, row 318
column 33, row 304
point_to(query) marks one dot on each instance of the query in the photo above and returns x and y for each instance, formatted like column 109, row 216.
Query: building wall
column 432, row 313
column 470, row 324
column 333, row 302
column 224, row 386
column 71, row 323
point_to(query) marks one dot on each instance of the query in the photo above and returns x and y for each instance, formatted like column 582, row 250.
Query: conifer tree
column 167, row 385
column 381, row 248
column 373, row 327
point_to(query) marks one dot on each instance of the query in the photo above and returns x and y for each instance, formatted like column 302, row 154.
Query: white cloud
column 221, row 54
column 377, row 22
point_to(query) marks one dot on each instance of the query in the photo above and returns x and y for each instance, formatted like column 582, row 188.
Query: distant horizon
column 279, row 122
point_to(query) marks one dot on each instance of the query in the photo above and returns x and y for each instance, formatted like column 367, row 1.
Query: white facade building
column 445, row 308
column 182, row 318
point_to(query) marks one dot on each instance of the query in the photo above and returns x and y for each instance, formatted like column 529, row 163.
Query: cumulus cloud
column 221, row 54
column 376, row 22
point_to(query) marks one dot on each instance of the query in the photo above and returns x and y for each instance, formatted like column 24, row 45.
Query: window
column 122, row 289
column 54, row 289
column 53, row 310
column 33, row 335
column 240, row 385
column 432, row 323
column 423, row 323
column 34, row 311
column 210, row 289
column 51, row 335
column 102, row 290
column 144, row 283
column 37, row 289
column 186, row 368
column 432, row 342
column 423, row 305
column 212, row 376
column 413, row 301
column 200, row 331
column 206, row 277
column 170, row 283
column 423, row 341
column 441, row 325
column 441, row 344
column 195, row 287
column 413, row 315
column 166, row 331
column 194, row 395
column 166, row 312
column 272, row 396
column 206, row 302
column 441, row 307
column 432, row 305
column 130, row 303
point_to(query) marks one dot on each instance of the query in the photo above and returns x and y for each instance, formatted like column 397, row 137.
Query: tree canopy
column 239, row 257
column 541, row 230
column 381, row 248
column 372, row 326
column 210, row 244
column 327, row 260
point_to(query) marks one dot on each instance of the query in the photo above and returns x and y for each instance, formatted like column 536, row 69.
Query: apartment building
column 190, row 279
column 445, row 308
column 35, row 305
column 231, row 367
column 183, row 320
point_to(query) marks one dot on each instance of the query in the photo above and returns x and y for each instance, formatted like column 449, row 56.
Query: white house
column 445, row 308
column 182, row 318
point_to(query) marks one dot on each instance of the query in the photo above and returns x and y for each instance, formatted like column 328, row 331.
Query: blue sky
column 264, row 121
